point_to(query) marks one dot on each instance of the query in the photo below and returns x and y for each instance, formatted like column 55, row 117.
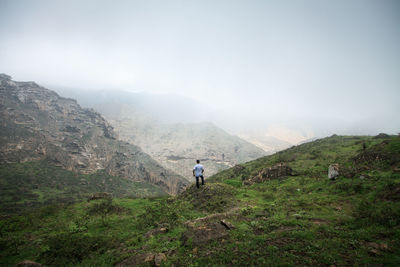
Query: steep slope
column 151, row 122
column 293, row 218
column 37, row 124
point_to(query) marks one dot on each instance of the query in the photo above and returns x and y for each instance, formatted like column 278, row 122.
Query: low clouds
column 327, row 66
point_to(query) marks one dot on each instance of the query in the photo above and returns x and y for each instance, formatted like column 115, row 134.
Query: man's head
column 198, row 161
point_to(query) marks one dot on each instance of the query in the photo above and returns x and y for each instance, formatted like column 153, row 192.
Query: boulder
column 333, row 171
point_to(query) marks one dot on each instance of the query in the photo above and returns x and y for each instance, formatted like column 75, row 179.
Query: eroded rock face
column 36, row 123
column 277, row 171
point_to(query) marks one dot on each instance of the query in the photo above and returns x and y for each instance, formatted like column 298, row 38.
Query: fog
column 313, row 68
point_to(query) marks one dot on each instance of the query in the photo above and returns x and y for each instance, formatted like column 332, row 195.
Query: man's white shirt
column 198, row 170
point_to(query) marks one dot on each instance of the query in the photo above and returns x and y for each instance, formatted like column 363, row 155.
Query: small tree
column 102, row 208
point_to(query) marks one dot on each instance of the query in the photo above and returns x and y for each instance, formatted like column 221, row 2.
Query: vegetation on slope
column 29, row 185
column 304, row 219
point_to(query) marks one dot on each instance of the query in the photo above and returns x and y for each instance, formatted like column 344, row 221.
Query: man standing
column 198, row 173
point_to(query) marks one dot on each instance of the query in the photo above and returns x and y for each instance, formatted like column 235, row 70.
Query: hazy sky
column 325, row 66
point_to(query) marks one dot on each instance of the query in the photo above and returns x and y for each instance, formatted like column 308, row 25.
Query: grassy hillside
column 29, row 185
column 303, row 219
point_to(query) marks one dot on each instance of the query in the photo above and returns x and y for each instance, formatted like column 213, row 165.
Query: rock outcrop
column 277, row 171
column 36, row 123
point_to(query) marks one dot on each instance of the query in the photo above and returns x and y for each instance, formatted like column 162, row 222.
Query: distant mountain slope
column 177, row 146
column 267, row 143
column 36, row 123
column 151, row 122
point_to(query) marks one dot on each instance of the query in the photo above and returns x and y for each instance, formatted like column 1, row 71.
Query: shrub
column 382, row 213
column 68, row 248
column 103, row 208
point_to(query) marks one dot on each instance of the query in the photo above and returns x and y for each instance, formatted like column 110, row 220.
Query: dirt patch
column 284, row 229
column 213, row 217
column 212, row 227
column 318, row 221
column 280, row 242
column 199, row 235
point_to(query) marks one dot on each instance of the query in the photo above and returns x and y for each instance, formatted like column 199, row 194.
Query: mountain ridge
column 39, row 124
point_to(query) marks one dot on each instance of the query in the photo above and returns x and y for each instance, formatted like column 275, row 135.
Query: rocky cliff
column 36, row 123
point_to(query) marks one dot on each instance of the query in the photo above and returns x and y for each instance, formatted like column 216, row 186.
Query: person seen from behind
column 198, row 171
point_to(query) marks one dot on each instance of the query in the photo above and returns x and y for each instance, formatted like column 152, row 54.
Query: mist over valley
column 199, row 133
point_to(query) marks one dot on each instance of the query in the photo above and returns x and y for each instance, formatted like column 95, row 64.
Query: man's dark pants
column 197, row 181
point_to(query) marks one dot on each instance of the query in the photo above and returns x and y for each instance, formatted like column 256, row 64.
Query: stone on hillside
column 158, row 258
column 28, row 263
column 100, row 195
column 333, row 171
column 269, row 173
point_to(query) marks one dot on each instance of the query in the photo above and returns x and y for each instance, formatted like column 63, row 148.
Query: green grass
column 304, row 219
column 29, row 185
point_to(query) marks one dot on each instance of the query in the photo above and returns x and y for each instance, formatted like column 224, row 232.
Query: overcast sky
column 325, row 66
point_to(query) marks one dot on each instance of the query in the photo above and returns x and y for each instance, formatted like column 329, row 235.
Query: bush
column 159, row 213
column 382, row 213
column 67, row 248
column 104, row 208
column 350, row 186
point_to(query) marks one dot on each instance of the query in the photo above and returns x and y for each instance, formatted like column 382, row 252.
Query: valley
column 170, row 129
